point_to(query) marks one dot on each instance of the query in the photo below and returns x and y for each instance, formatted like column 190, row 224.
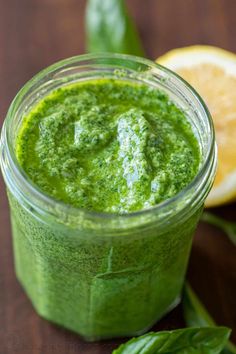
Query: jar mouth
column 44, row 203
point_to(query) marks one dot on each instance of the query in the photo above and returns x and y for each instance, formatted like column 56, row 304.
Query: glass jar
column 104, row 275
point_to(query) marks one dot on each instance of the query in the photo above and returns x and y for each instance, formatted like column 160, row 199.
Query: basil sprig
column 196, row 315
column 109, row 28
column 210, row 340
column 226, row 226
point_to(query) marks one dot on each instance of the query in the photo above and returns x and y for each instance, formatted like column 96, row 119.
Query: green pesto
column 108, row 145
column 111, row 146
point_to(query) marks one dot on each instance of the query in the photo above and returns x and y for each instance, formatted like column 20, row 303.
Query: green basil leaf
column 196, row 315
column 229, row 348
column 226, row 226
column 209, row 340
column 109, row 28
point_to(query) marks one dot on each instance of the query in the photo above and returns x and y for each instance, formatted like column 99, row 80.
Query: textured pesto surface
column 108, row 145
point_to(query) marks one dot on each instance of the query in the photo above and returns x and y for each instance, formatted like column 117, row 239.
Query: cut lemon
column 212, row 72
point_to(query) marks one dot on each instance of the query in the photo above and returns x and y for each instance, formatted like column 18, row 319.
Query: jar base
column 91, row 339
column 173, row 305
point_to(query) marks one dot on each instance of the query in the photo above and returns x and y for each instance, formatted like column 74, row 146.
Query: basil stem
column 109, row 28
column 209, row 340
column 228, row 227
column 196, row 315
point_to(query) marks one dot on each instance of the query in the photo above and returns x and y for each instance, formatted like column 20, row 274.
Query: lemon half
column 212, row 72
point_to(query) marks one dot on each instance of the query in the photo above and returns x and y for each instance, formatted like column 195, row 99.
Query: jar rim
column 208, row 165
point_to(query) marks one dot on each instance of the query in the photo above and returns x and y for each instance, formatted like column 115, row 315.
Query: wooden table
column 36, row 33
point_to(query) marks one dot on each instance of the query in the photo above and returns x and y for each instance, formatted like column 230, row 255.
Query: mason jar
column 104, row 275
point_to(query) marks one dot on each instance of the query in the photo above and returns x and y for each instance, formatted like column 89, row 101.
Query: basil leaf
column 109, row 28
column 196, row 315
column 228, row 227
column 210, row 340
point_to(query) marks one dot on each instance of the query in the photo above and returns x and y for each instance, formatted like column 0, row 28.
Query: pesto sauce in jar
column 117, row 147
column 108, row 145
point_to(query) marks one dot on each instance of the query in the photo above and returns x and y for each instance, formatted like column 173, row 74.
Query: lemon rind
column 186, row 57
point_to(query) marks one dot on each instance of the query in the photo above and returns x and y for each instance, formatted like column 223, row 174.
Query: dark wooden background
column 36, row 33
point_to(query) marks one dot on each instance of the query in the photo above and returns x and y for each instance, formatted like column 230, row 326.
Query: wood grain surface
column 36, row 33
